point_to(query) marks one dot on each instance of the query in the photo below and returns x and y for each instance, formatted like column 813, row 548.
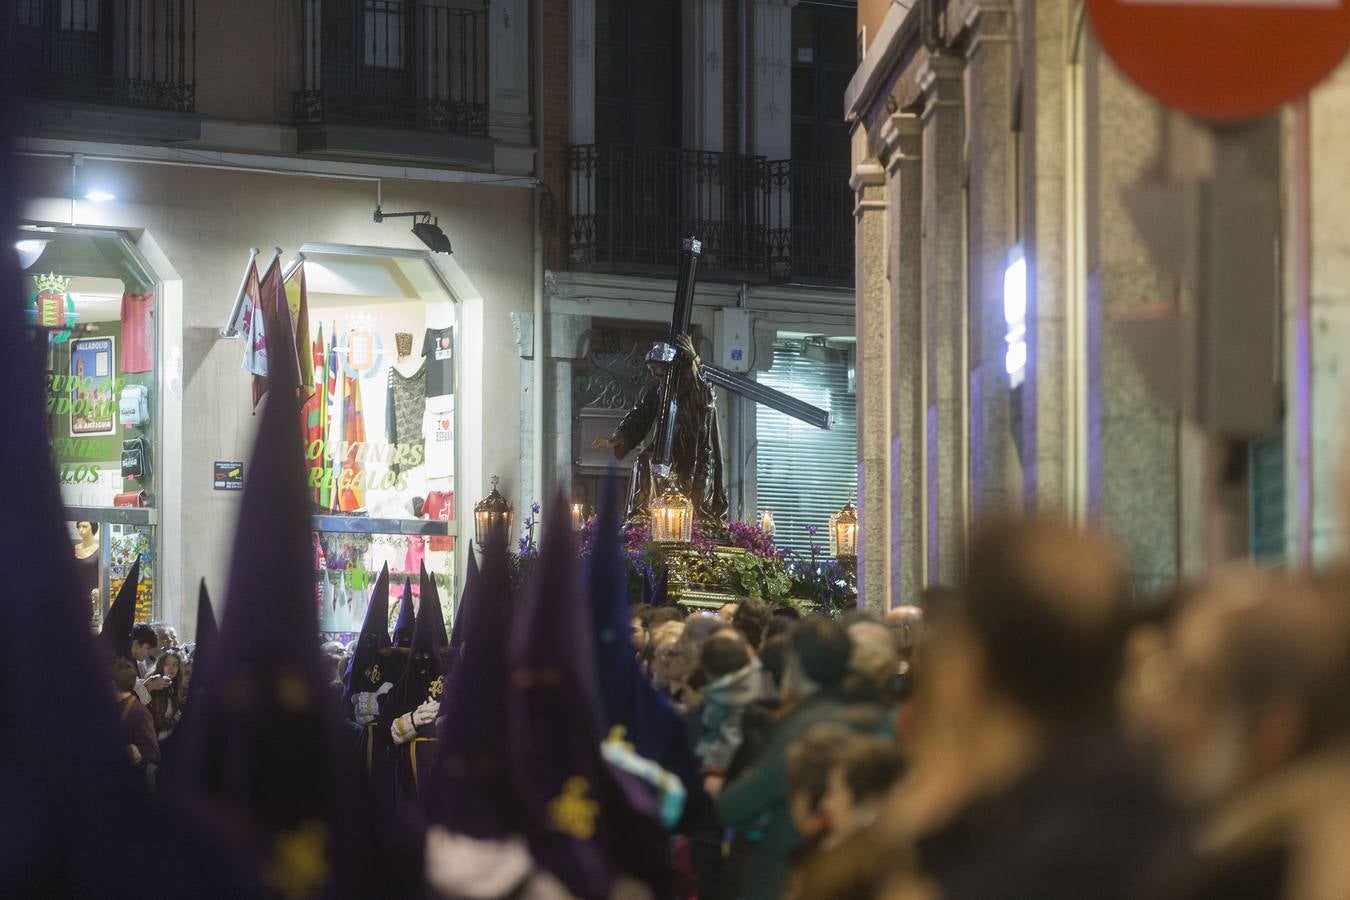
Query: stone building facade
column 1034, row 331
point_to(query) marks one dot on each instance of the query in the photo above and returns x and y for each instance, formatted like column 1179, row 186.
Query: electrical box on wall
column 731, row 339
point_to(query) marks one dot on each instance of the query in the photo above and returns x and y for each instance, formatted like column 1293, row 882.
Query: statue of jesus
column 696, row 457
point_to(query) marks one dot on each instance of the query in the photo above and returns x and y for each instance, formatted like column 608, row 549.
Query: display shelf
column 363, row 525
column 115, row 515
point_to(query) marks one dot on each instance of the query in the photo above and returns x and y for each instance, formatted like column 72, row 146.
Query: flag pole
column 231, row 329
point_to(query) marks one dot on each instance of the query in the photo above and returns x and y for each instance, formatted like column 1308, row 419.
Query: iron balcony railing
column 810, row 233
column 406, row 63
column 136, row 53
column 758, row 220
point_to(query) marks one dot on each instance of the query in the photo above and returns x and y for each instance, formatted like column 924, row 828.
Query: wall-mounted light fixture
column 425, row 226
column 1015, row 316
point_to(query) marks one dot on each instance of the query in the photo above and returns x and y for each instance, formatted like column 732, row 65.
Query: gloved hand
column 403, row 731
column 426, row 713
column 367, row 704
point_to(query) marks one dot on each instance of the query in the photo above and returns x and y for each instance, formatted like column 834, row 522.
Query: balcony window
column 415, row 65
column 637, row 72
column 382, row 39
column 79, row 15
column 759, row 220
column 133, row 53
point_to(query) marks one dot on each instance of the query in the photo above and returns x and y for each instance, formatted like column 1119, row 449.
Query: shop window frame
column 135, row 517
column 347, row 524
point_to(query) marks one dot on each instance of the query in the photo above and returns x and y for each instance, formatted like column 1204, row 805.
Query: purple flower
column 534, row 508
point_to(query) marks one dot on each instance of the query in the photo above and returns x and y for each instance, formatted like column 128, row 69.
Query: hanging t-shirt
column 439, row 432
column 138, row 332
column 439, row 348
column 439, row 506
column 405, row 406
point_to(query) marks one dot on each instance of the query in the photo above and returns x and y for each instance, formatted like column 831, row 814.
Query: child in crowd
column 735, row 680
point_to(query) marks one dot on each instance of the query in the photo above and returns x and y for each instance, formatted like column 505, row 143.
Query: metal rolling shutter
column 805, row 474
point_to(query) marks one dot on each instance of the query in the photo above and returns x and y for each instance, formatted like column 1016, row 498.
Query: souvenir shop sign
column 93, row 389
column 229, row 476
column 342, row 464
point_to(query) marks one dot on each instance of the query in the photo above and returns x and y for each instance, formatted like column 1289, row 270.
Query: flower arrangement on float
column 757, row 568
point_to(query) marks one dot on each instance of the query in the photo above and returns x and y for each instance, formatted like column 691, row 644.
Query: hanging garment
column 439, row 506
column 138, row 332
column 415, row 555
column 439, row 349
column 405, row 405
column 439, row 429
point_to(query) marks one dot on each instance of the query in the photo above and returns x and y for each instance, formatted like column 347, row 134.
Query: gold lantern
column 844, row 533
column 492, row 518
column 766, row 522
column 672, row 518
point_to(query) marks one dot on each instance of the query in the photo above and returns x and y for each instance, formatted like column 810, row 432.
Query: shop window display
column 379, row 430
column 95, row 300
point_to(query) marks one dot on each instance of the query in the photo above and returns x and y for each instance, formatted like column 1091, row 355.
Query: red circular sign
column 1224, row 59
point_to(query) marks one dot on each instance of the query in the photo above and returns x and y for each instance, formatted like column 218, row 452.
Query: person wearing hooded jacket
column 756, row 803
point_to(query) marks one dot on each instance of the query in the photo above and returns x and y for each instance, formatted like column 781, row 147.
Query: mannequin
column 87, row 559
column 88, row 543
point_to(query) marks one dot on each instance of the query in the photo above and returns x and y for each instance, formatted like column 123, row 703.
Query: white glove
column 367, row 704
column 426, row 713
column 402, row 731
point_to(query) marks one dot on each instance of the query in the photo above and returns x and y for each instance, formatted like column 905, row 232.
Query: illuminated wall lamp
column 1015, row 316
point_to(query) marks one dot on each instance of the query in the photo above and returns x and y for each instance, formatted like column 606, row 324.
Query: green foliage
column 759, row 577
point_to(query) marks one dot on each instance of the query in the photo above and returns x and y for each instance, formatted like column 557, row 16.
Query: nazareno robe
column 696, row 458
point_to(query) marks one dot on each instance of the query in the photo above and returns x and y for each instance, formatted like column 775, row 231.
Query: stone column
column 1329, row 311
column 944, row 321
column 581, row 72
column 567, row 340
column 1133, row 446
column 770, row 73
column 524, row 325
column 701, row 40
column 872, row 298
column 509, row 71
column 904, row 235
column 770, row 65
column 1048, row 240
column 989, row 93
